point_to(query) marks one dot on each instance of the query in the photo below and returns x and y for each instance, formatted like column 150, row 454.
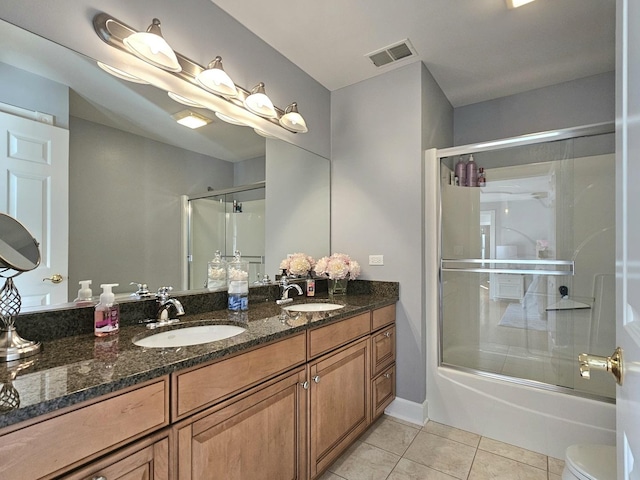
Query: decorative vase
column 338, row 286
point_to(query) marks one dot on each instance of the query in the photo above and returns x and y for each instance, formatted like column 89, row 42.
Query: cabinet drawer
column 204, row 386
column 383, row 349
column 54, row 445
column 383, row 391
column 383, row 316
column 325, row 339
column 144, row 460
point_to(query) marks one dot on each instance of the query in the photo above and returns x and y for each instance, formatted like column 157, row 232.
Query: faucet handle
column 163, row 293
column 143, row 290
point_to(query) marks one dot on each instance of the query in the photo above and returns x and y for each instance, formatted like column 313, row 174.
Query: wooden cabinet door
column 141, row 461
column 261, row 436
column 339, row 402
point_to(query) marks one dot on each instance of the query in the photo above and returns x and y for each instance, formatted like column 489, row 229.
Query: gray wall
column 140, row 180
column 378, row 139
column 26, row 90
column 249, row 171
column 198, row 29
column 579, row 102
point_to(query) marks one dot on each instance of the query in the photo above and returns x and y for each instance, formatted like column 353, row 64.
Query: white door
column 628, row 235
column 34, row 173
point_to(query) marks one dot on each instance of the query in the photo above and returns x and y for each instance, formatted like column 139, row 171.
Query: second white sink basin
column 313, row 307
column 182, row 337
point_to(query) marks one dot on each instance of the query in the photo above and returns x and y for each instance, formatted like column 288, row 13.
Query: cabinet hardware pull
column 387, row 375
column 387, row 334
column 305, row 385
column 316, row 379
column 101, row 477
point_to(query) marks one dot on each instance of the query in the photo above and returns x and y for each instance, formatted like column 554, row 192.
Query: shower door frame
column 188, row 224
column 506, row 143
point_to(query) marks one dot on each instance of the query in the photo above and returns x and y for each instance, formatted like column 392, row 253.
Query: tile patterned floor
column 395, row 450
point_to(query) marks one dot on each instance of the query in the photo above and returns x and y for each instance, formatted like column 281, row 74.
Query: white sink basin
column 182, row 337
column 313, row 307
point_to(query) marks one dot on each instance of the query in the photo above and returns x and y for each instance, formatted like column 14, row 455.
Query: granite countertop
column 73, row 369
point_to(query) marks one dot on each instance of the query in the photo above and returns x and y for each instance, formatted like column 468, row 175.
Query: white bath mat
column 516, row 317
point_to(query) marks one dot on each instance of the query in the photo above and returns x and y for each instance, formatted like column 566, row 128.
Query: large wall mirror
column 110, row 179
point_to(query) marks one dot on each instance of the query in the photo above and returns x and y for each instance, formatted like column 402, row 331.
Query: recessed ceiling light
column 517, row 3
column 191, row 119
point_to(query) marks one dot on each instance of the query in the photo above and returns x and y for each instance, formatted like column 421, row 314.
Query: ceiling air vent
column 392, row 53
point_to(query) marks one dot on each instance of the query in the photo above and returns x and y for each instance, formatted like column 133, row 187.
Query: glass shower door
column 527, row 267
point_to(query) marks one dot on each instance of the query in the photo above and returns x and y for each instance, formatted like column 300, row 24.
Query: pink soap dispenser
column 107, row 313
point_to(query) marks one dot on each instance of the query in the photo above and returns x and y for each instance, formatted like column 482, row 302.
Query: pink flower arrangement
column 297, row 264
column 338, row 266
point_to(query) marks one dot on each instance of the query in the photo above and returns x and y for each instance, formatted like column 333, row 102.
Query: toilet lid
column 592, row 462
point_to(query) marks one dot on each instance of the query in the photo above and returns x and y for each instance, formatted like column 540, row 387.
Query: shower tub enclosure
column 526, row 282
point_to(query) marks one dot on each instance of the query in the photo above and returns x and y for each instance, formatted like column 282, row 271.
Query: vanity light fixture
column 191, row 119
column 228, row 119
column 517, row 3
column 215, row 79
column 214, row 84
column 259, row 103
column 184, row 100
column 121, row 74
column 151, row 47
column 262, row 133
column 292, row 120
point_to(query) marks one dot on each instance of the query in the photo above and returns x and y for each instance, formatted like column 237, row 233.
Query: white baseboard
column 412, row 412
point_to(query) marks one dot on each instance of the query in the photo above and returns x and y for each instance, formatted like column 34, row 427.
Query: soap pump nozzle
column 107, row 297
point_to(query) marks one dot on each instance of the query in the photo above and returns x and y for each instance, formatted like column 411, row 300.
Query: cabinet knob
column 387, row 375
column 101, row 477
column 305, row 385
column 387, row 334
column 316, row 379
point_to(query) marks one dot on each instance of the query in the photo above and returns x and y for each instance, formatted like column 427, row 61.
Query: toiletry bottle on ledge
column 461, row 173
column 85, row 293
column 482, row 180
column 472, row 172
column 107, row 313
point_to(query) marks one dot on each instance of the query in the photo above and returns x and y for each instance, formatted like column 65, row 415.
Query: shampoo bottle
column 107, row 313
column 461, row 173
column 472, row 172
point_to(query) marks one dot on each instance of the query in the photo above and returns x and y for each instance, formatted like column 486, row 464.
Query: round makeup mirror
column 18, row 249
column 19, row 253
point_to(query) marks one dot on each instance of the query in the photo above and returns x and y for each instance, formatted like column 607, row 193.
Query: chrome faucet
column 165, row 302
column 286, row 286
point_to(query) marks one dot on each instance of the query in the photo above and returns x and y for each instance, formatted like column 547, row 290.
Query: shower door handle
column 611, row 364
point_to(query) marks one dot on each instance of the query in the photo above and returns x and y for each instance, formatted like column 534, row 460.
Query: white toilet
column 590, row 462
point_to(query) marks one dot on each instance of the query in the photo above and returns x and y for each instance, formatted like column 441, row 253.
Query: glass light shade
column 292, row 120
column 262, row 133
column 259, row 103
column 152, row 48
column 216, row 80
column 184, row 100
column 228, row 119
column 116, row 72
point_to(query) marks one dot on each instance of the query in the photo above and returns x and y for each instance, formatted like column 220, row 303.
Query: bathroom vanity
column 282, row 400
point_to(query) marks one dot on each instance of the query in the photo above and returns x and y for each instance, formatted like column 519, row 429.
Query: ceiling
column 476, row 50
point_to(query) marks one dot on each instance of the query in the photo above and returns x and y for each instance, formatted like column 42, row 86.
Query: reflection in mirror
column 130, row 165
column 18, row 249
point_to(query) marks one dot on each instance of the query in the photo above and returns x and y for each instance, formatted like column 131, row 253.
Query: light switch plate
column 376, row 259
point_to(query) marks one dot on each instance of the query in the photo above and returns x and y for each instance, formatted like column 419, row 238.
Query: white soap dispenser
column 85, row 293
column 107, row 313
